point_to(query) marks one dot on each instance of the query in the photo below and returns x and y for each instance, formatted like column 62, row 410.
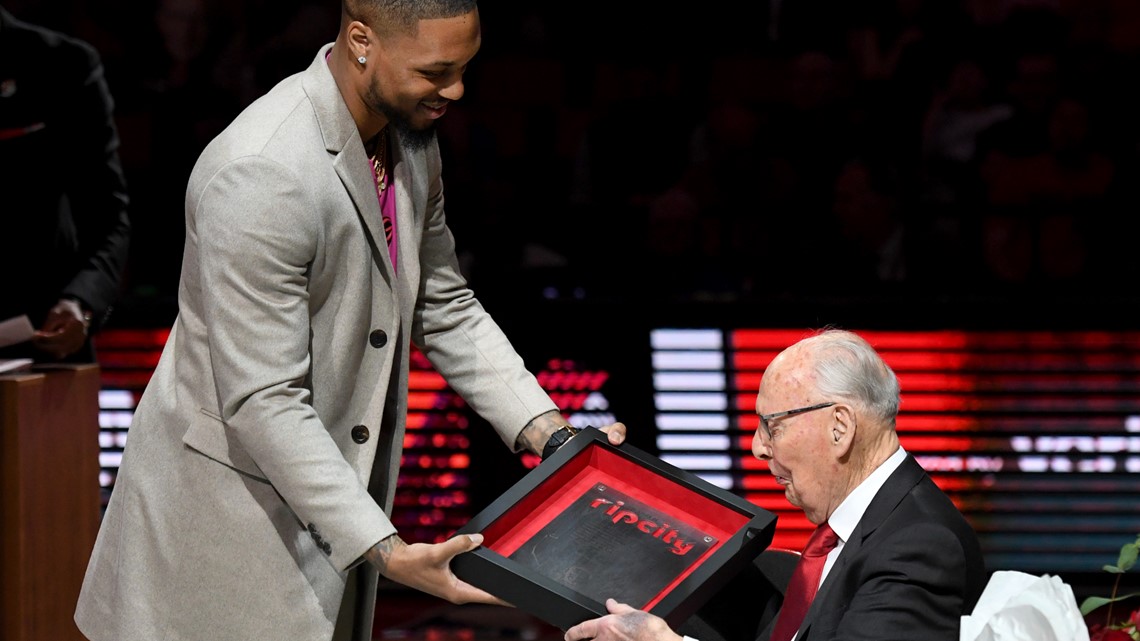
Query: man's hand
column 537, row 432
column 623, row 623
column 427, row 567
column 64, row 330
column 615, row 433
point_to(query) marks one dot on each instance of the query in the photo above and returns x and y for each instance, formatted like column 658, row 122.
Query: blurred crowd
column 730, row 151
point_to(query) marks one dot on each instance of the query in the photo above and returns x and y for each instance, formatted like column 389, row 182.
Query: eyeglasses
column 765, row 418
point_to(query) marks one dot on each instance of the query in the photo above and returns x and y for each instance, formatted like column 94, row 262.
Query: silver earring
column 362, row 60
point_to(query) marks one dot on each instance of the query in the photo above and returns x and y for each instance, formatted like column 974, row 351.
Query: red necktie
column 804, row 582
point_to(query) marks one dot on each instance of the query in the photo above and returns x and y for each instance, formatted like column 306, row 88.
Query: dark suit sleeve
column 740, row 609
column 910, row 588
column 97, row 189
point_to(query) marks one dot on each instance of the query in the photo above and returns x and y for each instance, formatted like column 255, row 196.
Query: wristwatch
column 558, row 439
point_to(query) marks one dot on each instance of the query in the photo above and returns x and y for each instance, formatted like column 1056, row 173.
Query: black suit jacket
column 911, row 569
column 64, row 200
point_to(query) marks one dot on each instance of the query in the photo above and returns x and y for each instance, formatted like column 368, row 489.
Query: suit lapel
column 898, row 485
column 342, row 139
column 352, row 167
column 886, row 500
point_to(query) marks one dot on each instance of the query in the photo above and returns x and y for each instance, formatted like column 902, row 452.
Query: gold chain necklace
column 380, row 160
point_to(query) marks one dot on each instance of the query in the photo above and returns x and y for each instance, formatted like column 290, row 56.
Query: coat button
column 378, row 338
column 360, row 434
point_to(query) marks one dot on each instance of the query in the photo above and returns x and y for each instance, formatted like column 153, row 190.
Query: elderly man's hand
column 623, row 623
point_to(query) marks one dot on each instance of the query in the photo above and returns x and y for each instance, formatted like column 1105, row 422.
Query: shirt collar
column 847, row 515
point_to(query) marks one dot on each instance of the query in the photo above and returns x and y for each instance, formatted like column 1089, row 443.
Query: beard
column 416, row 139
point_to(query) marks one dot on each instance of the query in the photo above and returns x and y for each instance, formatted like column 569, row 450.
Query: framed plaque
column 596, row 521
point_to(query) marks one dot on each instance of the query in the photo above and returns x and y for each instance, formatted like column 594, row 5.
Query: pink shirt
column 388, row 215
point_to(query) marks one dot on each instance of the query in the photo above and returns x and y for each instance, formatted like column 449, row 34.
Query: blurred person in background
column 900, row 556
column 64, row 253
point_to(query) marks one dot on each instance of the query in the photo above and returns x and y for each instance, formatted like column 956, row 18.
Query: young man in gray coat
column 253, row 494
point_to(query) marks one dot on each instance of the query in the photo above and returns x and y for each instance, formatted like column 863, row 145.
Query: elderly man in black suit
column 904, row 563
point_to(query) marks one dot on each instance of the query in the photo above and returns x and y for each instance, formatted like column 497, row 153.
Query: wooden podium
column 49, row 505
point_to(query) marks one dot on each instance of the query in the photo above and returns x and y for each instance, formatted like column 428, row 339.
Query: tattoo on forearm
column 537, row 432
column 380, row 553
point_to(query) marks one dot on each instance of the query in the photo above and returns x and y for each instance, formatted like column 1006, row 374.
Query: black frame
column 564, row 607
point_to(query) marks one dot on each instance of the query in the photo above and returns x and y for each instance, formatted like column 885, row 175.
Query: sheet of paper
column 14, row 364
column 15, row 330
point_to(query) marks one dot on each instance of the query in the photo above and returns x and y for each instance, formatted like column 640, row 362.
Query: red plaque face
column 595, row 521
column 608, row 544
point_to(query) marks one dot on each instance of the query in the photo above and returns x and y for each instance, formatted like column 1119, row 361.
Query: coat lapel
column 406, row 187
column 342, row 139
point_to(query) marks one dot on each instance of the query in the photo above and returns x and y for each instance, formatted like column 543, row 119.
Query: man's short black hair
column 402, row 15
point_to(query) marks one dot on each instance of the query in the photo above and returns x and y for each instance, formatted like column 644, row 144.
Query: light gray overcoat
column 243, row 497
